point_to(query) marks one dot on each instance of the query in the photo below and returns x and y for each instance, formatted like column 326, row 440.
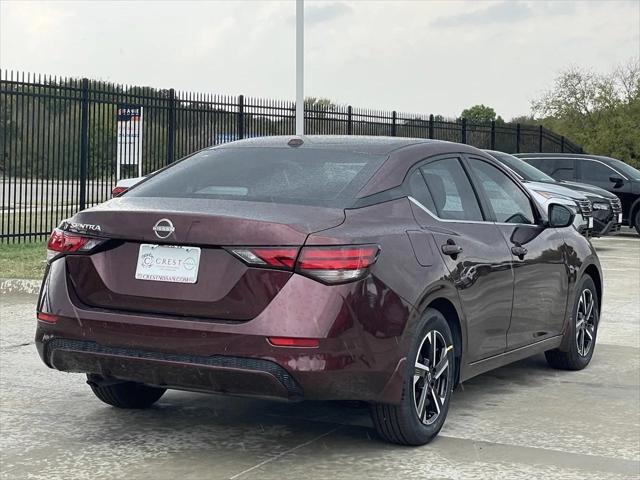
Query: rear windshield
column 275, row 175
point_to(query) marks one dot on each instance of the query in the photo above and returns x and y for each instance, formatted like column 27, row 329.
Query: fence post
column 431, row 126
column 463, row 131
column 562, row 144
column 171, row 127
column 540, row 139
column 349, row 120
column 84, row 144
column 394, row 117
column 493, row 134
column 241, row 117
column 517, row 138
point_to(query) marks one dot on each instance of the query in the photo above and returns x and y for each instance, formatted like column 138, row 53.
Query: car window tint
column 560, row 168
column 595, row 171
column 453, row 196
column 508, row 201
column 418, row 190
column 275, row 175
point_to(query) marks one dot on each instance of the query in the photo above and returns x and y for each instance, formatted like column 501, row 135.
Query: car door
column 537, row 254
column 473, row 250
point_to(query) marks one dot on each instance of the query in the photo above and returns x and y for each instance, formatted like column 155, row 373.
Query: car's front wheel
column 636, row 223
column 125, row 394
column 582, row 330
column 427, row 387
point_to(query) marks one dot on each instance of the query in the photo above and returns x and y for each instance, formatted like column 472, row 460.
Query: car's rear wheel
column 426, row 389
column 125, row 394
column 582, row 330
column 636, row 222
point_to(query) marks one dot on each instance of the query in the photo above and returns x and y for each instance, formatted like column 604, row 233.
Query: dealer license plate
column 164, row 263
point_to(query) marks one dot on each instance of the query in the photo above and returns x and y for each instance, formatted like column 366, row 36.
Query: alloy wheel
column 431, row 377
column 586, row 320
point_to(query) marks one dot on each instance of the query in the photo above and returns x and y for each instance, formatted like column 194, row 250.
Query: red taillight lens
column 47, row 317
column 276, row 257
column 294, row 342
column 61, row 242
column 329, row 264
column 337, row 264
column 118, row 190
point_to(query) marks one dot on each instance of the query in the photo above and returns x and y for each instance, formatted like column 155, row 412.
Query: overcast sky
column 419, row 57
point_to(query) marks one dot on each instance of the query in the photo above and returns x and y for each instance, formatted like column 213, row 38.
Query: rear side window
column 559, row 168
column 451, row 191
column 275, row 175
column 595, row 171
column 418, row 190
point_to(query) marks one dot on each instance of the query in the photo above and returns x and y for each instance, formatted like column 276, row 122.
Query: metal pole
column 84, row 144
column 299, row 67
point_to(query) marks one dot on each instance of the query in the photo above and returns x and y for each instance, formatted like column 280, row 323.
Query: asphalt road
column 524, row 421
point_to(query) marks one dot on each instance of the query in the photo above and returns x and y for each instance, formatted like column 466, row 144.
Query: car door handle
column 519, row 251
column 451, row 249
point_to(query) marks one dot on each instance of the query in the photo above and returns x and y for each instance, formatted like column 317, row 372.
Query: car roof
column 352, row 143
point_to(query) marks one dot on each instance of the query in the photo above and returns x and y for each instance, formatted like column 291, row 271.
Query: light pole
column 299, row 67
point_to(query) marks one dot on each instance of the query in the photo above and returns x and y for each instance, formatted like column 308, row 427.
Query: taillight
column 61, row 242
column 118, row 190
column 337, row 264
column 274, row 257
column 329, row 264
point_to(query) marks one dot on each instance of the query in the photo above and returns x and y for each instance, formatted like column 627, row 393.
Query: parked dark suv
column 384, row 270
column 610, row 174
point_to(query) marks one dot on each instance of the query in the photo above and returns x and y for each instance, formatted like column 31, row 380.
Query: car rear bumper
column 359, row 357
column 225, row 374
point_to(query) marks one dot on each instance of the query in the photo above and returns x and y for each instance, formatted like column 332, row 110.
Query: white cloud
column 423, row 57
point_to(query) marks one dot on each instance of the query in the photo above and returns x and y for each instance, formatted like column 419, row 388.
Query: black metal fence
column 58, row 138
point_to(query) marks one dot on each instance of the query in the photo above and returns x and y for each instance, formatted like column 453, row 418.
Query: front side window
column 508, row 201
column 452, row 194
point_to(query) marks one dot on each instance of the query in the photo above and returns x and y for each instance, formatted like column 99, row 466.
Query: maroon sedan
column 385, row 270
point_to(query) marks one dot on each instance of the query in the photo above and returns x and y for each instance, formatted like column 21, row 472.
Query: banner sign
column 129, row 147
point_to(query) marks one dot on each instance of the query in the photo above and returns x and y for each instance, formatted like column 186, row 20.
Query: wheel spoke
column 589, row 331
column 432, row 341
column 579, row 322
column 441, row 367
column 437, row 402
column 581, row 342
column 589, row 310
column 421, row 369
column 423, row 401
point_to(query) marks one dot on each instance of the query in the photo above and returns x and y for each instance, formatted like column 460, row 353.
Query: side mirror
column 560, row 216
column 617, row 181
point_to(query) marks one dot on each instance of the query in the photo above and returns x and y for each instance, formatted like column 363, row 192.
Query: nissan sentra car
column 383, row 270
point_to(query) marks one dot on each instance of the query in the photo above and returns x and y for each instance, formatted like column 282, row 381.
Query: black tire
column 571, row 358
column 636, row 223
column 126, row 394
column 401, row 423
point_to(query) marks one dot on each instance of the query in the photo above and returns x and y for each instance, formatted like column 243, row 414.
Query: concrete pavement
column 523, row 421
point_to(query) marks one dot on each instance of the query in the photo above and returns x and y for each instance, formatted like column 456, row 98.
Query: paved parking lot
column 524, row 421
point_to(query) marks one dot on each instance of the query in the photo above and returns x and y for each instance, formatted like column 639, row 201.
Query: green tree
column 601, row 112
column 480, row 114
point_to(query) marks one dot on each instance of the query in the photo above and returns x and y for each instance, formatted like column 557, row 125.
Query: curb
column 17, row 285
